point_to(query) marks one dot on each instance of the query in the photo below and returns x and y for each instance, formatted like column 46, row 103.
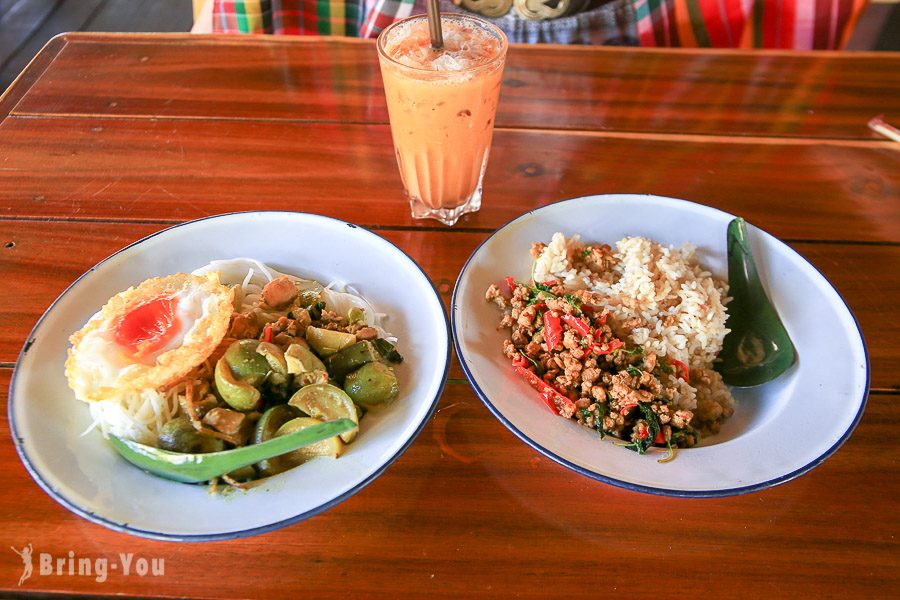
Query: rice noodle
column 250, row 276
column 137, row 416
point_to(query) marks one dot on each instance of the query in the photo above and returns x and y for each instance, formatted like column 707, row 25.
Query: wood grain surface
column 822, row 94
column 109, row 138
column 175, row 170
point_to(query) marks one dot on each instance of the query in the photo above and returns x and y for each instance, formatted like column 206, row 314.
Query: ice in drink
column 441, row 105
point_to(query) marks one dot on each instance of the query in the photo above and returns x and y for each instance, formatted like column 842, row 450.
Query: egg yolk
column 149, row 326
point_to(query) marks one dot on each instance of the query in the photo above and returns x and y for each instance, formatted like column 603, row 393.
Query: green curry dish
column 344, row 362
column 294, row 354
column 315, row 311
column 388, row 351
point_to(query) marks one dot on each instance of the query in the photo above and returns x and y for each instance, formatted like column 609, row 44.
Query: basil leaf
column 653, row 427
column 602, row 411
column 633, row 351
column 537, row 366
column 574, row 301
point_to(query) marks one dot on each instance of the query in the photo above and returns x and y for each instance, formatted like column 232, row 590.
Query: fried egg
column 149, row 337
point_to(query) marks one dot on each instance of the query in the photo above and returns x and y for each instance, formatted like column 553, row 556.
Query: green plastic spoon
column 758, row 348
column 196, row 468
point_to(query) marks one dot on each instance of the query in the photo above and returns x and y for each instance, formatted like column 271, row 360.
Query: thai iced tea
column 441, row 105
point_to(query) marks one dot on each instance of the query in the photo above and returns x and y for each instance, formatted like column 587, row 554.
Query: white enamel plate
column 85, row 474
column 779, row 431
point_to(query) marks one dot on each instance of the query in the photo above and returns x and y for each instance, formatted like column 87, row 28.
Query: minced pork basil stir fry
column 575, row 352
column 563, row 345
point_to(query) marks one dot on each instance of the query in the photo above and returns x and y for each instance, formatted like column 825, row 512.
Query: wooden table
column 107, row 138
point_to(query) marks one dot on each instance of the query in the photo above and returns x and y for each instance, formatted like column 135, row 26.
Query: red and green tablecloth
column 797, row 24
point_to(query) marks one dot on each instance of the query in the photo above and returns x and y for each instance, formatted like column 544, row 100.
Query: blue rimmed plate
column 778, row 432
column 85, row 474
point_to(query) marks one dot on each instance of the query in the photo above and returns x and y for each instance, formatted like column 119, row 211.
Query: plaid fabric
column 798, row 24
column 381, row 13
column 355, row 18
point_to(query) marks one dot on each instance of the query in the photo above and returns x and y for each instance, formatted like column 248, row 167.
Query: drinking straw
column 878, row 124
column 434, row 24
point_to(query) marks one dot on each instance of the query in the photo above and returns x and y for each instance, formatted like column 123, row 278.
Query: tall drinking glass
column 441, row 105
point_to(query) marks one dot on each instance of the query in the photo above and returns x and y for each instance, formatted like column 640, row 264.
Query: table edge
column 228, row 39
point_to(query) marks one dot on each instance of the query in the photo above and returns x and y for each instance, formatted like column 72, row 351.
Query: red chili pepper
column 683, row 367
column 510, row 285
column 548, row 400
column 548, row 393
column 552, row 330
column 611, row 347
column 577, row 324
column 267, row 333
column 643, row 434
column 660, row 438
column 532, row 378
column 591, row 310
column 519, row 361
